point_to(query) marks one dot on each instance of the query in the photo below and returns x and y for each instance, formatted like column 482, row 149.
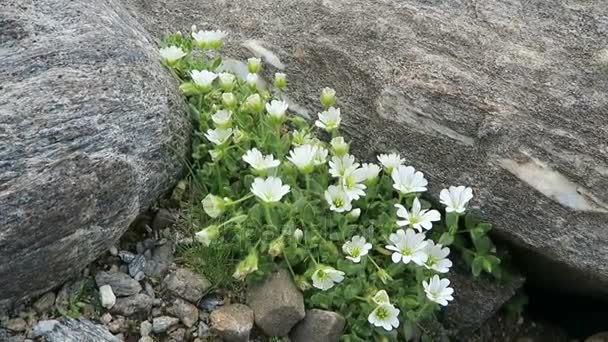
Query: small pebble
column 107, row 297
column 145, row 328
column 163, row 323
column 106, row 318
column 126, row 256
column 113, row 251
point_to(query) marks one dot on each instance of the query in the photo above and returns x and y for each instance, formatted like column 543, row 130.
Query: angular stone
column 136, row 304
column 163, row 323
column 122, row 285
column 318, row 326
column 137, row 265
column 186, row 312
column 79, row 330
column 126, row 256
column 232, row 323
column 106, row 296
column 186, row 284
column 145, row 328
column 493, row 94
column 276, row 317
column 90, row 138
column 16, row 324
column 44, row 303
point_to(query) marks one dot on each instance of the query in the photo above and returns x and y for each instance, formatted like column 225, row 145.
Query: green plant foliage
column 268, row 188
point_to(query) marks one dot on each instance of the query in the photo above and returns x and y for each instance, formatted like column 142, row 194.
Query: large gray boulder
column 508, row 97
column 92, row 132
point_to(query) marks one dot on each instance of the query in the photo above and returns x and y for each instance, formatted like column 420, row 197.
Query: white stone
column 107, row 297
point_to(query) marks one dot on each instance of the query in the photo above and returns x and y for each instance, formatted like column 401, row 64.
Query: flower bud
column 254, row 65
column 384, row 276
column 238, row 136
column 254, row 103
column 353, row 215
column 302, row 283
column 247, row 265
column 252, row 81
column 207, row 235
column 226, row 81
column 328, row 97
column 339, row 147
column 216, row 155
column 276, row 246
column 213, row 205
column 280, row 80
column 298, row 234
column 299, row 138
column 193, row 28
column 229, row 100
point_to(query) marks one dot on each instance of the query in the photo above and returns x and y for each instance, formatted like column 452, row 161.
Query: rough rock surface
column 232, row 323
column 186, row 284
column 318, row 326
column 507, row 96
column 122, row 284
column 92, row 133
column 277, row 303
column 476, row 299
column 79, row 330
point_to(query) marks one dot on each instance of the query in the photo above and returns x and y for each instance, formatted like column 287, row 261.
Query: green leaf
column 409, row 330
column 451, row 220
column 216, row 62
column 470, row 221
column 446, row 239
column 477, row 266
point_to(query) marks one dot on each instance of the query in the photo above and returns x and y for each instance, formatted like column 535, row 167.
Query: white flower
column 339, row 147
column 456, row 198
column 390, row 161
column 222, row 118
column 226, row 80
column 258, row 161
column 385, row 316
column 270, row 189
column 407, row 180
column 356, row 248
column 337, row 199
column 352, row 183
column 370, row 171
column 171, row 54
column 417, row 218
column 218, row 136
column 207, row 235
column 408, row 246
column 320, row 156
column 381, row 297
column 437, row 260
column 211, row 39
column 276, row 109
column 329, row 119
column 213, row 205
column 203, row 78
column 298, row 234
column 252, row 80
column 303, row 157
column 325, row 277
column 438, row 290
column 340, row 166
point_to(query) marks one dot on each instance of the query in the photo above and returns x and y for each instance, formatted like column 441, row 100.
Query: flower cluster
column 275, row 189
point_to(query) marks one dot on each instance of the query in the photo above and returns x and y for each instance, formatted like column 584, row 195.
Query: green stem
column 369, row 257
column 267, row 214
column 312, row 257
column 293, row 274
column 307, row 176
column 241, row 199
